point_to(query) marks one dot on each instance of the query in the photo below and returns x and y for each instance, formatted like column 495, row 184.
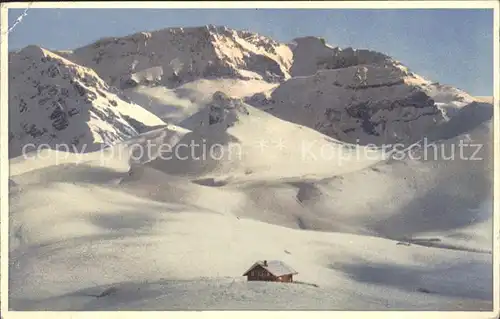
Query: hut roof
column 275, row 267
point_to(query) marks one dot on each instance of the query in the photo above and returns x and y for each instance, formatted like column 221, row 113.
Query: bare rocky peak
column 311, row 54
column 224, row 110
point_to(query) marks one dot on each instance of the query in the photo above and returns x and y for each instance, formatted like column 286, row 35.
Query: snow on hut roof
column 275, row 267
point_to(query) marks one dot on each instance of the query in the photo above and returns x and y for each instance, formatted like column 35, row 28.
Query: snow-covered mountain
column 56, row 102
column 174, row 56
column 359, row 96
column 356, row 96
column 262, row 158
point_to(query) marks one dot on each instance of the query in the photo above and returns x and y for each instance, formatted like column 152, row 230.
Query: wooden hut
column 270, row 270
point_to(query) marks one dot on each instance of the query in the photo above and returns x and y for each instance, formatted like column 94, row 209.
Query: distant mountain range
column 356, row 96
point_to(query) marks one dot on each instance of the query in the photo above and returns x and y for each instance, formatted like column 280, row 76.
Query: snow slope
column 150, row 224
column 167, row 247
column 163, row 269
column 56, row 102
column 232, row 138
column 310, row 188
column 177, row 104
column 159, row 224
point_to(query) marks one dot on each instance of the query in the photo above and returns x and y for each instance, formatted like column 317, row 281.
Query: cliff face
column 367, row 104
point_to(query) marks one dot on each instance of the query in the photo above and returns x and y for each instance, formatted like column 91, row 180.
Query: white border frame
column 4, row 163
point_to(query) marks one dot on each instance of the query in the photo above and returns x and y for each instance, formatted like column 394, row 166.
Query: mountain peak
column 311, row 54
column 31, row 51
column 186, row 54
column 53, row 101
